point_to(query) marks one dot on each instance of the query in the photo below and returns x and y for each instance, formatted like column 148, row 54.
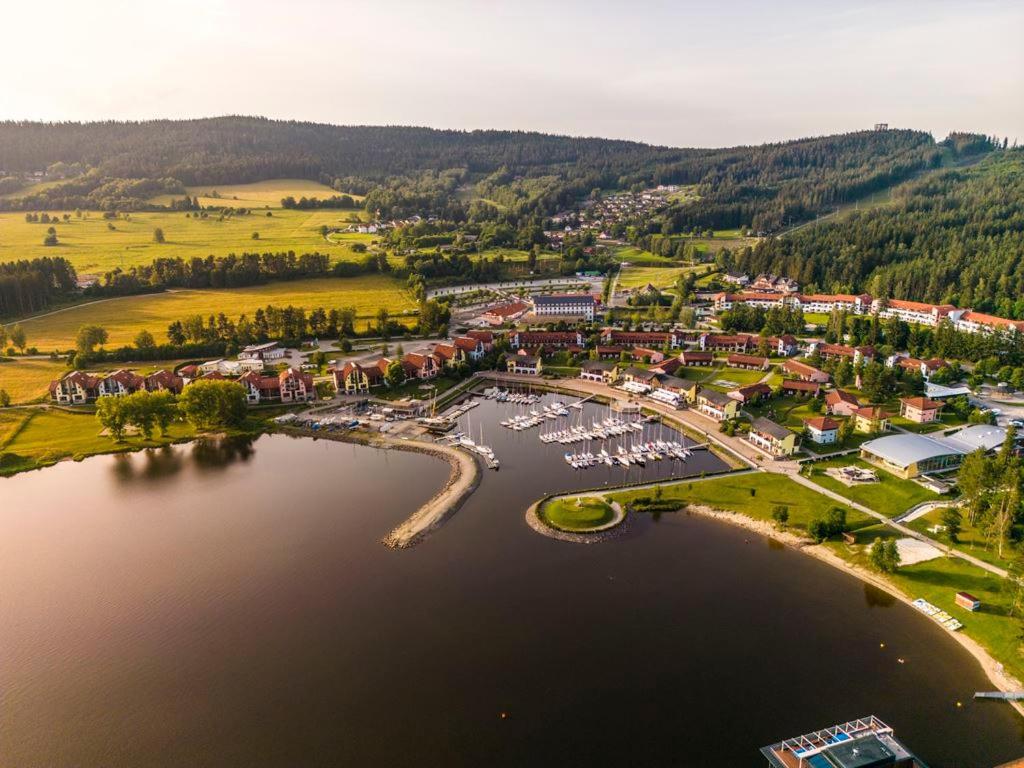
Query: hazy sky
column 678, row 73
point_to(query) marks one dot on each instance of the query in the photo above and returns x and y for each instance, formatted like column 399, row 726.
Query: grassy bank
column 40, row 437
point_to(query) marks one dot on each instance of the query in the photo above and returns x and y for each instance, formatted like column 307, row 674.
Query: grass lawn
column 970, row 539
column 816, row 318
column 93, row 248
column 258, row 194
column 27, row 379
column 659, row 277
column 11, row 420
column 576, row 514
column 124, row 317
column 639, row 257
column 738, row 377
column 891, row 495
column 937, row 581
column 52, row 434
column 733, row 494
column 417, row 389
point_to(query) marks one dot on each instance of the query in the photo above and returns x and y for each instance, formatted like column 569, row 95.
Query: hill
column 124, row 165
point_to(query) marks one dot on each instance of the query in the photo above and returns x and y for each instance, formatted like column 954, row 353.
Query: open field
column 891, row 495
column 659, row 277
column 636, row 256
column 971, row 539
column 124, row 317
column 93, row 248
column 258, row 194
column 27, row 379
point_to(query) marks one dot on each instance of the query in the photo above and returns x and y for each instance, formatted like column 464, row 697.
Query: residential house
column 870, row 419
column 667, row 366
column 296, row 386
column 640, row 376
column 920, row 410
column 840, row 403
column 472, row 348
column 751, row 393
column 735, row 278
column 798, row 388
column 771, row 437
column 717, row 405
column 769, row 282
column 855, row 355
column 697, row 358
column 751, row 362
column 486, row 338
column 604, row 371
column 684, row 388
column 822, row 430
column 648, row 355
column 524, row 364
column 805, row 372
column 257, row 386
column 76, row 388
column 353, row 378
column 449, row 355
column 119, row 383
column 726, row 342
column 558, row 339
column 418, row 366
column 164, row 381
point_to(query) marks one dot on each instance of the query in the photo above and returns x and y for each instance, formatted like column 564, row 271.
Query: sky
column 676, row 73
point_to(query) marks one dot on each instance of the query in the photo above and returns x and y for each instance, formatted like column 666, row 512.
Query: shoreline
column 992, row 668
column 612, row 530
column 463, row 479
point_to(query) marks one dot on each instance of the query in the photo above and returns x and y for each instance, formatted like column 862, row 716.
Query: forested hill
column 419, row 170
column 954, row 236
column 239, row 149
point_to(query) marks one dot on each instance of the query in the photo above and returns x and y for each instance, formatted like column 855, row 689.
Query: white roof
column 905, row 449
column 937, row 391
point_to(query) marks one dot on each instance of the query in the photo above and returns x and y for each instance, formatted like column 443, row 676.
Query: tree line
column 32, row 285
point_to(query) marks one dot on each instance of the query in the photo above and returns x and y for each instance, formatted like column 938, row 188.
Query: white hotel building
column 916, row 312
column 562, row 304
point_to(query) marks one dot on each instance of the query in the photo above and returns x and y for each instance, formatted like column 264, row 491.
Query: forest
column 953, row 237
column 405, row 170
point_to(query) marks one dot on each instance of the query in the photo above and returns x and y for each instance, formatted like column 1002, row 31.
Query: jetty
column 1000, row 695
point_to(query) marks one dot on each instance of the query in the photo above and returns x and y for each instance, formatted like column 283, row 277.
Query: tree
column 885, row 555
column 158, row 235
column 138, row 411
column 17, row 335
column 974, row 481
column 113, row 416
column 51, row 237
column 953, row 522
column 780, row 514
column 383, row 322
column 395, row 375
column 144, row 340
column 89, row 337
column 255, row 235
column 176, row 333
column 3, row 339
column 5, row 399
column 211, row 404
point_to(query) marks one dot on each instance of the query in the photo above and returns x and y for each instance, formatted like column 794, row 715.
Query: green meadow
column 124, row 317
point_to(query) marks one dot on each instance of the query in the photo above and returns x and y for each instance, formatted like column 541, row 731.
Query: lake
column 229, row 604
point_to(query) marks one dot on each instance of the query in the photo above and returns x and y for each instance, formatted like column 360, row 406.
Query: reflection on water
column 157, row 465
column 251, row 617
column 877, row 598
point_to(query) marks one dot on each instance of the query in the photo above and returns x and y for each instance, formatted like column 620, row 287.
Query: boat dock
column 1000, row 695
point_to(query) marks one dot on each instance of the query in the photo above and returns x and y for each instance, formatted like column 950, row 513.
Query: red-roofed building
column 840, row 403
column 119, row 383
column 164, row 381
column 750, row 393
column 800, row 388
column 822, row 430
column 805, row 372
column 484, row 337
column 641, row 338
column 472, row 348
column 417, row 366
column 726, row 342
column 689, row 358
column 76, row 388
column 505, row 313
column 978, row 322
column 920, row 410
column 296, row 386
column 752, row 362
column 832, row 351
column 557, row 339
column 915, row 311
column 353, row 378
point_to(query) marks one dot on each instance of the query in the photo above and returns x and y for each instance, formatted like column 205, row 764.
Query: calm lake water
column 231, row 605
